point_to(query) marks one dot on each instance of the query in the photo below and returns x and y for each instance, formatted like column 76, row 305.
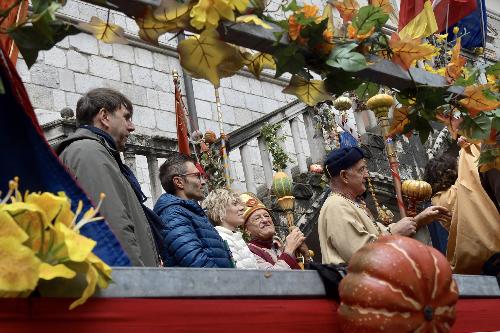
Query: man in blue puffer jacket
column 188, row 238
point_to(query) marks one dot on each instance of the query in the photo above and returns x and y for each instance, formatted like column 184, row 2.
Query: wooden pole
column 225, row 159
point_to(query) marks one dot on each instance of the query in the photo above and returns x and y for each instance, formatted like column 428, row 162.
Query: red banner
column 16, row 15
column 130, row 315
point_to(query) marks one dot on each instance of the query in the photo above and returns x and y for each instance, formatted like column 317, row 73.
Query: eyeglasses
column 198, row 175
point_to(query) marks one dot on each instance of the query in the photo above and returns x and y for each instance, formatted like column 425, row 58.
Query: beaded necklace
column 359, row 206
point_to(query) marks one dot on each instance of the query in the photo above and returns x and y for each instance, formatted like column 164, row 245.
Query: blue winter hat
column 342, row 159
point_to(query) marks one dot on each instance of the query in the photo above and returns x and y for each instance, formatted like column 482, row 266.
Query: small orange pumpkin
column 417, row 190
column 397, row 284
column 210, row 137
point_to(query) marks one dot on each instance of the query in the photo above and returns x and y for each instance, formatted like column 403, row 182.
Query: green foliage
column 211, row 161
column 367, row 90
column 477, row 128
column 369, row 17
column 473, row 76
column 289, row 59
column 337, row 84
column 274, row 143
column 489, row 155
column 493, row 69
column 40, row 31
column 342, row 57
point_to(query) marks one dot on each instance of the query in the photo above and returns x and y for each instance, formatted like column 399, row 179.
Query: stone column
column 297, row 143
column 314, row 138
column 246, row 161
column 154, row 178
column 266, row 162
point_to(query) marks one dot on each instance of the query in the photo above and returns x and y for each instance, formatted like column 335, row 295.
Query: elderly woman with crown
column 260, row 227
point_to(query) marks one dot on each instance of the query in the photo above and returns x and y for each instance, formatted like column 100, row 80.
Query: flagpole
column 483, row 34
column 225, row 159
column 177, row 89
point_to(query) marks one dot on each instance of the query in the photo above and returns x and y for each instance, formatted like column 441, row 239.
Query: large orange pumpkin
column 397, row 284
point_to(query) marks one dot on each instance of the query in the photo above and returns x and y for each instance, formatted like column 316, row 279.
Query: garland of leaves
column 274, row 144
column 315, row 45
column 211, row 160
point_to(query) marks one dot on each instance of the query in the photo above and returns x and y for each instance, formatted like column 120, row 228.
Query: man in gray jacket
column 104, row 120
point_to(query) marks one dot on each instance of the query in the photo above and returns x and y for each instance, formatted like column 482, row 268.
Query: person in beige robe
column 344, row 226
column 474, row 230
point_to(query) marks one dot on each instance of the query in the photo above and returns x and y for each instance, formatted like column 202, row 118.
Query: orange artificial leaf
column 352, row 33
column 104, row 31
column 346, row 8
column 407, row 51
column 399, row 120
column 385, row 5
column 293, row 28
column 454, row 68
column 475, row 101
column 309, row 11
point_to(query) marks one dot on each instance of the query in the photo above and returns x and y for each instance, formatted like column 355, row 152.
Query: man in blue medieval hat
column 344, row 225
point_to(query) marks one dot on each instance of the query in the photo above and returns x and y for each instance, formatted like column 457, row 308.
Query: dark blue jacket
column 189, row 239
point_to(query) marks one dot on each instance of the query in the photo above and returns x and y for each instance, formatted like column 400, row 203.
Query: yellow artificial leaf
column 254, row 19
column 258, row 62
column 207, row 13
column 457, row 62
column 153, row 24
column 385, row 5
column 202, row 55
column 19, row 266
column 232, row 64
column 399, row 120
column 104, row 31
column 475, row 101
column 346, row 8
column 49, row 272
column 9, row 228
column 407, row 51
column 78, row 247
column 328, row 14
column 91, row 277
column 310, row 92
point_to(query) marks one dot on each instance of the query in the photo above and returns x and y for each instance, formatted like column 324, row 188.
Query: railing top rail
column 246, row 133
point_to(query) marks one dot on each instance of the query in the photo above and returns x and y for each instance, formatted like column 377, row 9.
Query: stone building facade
column 143, row 73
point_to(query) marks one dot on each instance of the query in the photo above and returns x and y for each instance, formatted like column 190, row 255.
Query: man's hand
column 433, row 213
column 407, row 226
column 292, row 242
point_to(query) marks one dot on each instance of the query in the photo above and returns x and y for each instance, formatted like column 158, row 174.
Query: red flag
column 17, row 14
column 454, row 9
column 182, row 130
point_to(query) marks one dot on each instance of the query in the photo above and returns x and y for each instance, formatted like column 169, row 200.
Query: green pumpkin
column 282, row 184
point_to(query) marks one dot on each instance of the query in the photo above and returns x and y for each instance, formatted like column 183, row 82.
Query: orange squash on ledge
column 397, row 284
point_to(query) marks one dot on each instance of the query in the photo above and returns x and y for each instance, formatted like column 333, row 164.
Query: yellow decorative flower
column 19, row 267
column 39, row 237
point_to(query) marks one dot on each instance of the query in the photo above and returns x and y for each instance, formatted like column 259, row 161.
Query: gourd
column 380, row 104
column 417, row 190
column 210, row 137
column 282, row 184
column 397, row 284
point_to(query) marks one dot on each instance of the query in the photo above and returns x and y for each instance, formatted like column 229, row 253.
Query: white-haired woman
column 225, row 210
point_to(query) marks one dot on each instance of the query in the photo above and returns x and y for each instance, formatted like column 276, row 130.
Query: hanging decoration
column 225, row 159
column 416, row 191
column 380, row 105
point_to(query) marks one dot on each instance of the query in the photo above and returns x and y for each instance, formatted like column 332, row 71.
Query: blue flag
column 26, row 154
column 472, row 28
